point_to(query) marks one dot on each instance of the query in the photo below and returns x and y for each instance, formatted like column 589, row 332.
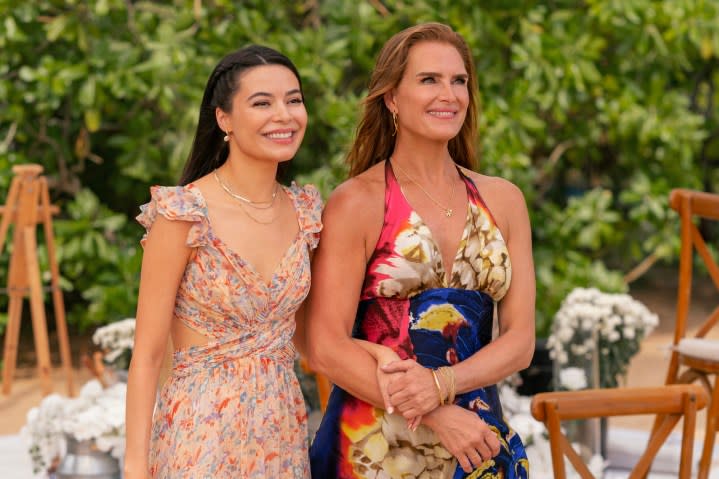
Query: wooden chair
column 696, row 358
column 672, row 402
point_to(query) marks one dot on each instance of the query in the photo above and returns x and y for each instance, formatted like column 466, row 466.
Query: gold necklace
column 242, row 200
column 447, row 209
column 254, row 204
column 270, row 221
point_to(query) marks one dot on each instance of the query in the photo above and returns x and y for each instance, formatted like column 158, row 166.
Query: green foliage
column 594, row 109
column 99, row 263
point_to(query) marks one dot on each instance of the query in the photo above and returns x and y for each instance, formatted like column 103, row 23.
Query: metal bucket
column 84, row 461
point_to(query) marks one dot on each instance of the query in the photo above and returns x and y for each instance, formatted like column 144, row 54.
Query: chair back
column 672, row 402
column 692, row 205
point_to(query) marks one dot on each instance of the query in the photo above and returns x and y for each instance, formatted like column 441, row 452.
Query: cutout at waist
column 184, row 337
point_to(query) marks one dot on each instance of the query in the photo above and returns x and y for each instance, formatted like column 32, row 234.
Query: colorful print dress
column 233, row 407
column 409, row 305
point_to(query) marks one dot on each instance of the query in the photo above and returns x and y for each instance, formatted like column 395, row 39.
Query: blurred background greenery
column 594, row 108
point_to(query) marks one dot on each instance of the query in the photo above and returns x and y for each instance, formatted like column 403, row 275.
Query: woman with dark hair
column 225, row 271
column 400, row 315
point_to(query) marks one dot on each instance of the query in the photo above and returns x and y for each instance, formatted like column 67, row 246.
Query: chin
column 442, row 132
column 280, row 158
column 284, row 154
column 443, row 137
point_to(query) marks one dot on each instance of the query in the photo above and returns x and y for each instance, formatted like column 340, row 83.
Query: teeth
column 279, row 136
column 444, row 114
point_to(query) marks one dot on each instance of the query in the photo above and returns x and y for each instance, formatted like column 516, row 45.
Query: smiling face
column 432, row 97
column 268, row 117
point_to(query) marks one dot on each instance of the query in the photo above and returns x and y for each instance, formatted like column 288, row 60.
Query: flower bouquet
column 97, row 414
column 606, row 326
column 116, row 341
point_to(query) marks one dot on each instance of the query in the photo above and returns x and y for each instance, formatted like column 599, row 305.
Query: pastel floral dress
column 408, row 304
column 233, row 407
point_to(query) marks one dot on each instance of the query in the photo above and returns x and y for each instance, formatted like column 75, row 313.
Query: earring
column 394, row 123
column 226, row 137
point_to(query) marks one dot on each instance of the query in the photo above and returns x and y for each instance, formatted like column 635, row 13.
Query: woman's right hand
column 464, row 434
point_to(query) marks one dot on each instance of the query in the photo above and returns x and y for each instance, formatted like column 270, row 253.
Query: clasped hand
column 408, row 388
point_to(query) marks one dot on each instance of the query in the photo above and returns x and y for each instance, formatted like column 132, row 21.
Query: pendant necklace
column 447, row 209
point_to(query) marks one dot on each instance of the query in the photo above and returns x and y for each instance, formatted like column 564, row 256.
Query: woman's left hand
column 413, row 393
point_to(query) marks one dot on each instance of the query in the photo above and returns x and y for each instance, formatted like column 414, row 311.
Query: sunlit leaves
column 595, row 109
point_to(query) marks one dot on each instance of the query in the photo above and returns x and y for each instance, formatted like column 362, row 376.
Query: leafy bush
column 595, row 109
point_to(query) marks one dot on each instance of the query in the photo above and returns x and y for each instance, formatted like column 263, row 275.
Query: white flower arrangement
column 116, row 341
column 572, row 379
column 96, row 414
column 589, row 319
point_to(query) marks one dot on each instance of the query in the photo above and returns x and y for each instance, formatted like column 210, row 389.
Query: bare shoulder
column 494, row 185
column 354, row 211
column 359, row 195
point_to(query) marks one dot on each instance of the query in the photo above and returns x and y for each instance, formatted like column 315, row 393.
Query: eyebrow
column 435, row 74
column 263, row 93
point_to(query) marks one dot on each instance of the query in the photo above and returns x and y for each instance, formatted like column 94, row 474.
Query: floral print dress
column 233, row 406
column 408, row 304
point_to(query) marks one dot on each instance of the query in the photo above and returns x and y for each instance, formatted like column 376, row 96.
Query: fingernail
column 390, row 409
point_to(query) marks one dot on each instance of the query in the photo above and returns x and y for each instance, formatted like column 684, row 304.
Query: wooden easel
column 28, row 203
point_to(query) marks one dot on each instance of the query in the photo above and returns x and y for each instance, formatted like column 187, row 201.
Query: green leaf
column 92, row 120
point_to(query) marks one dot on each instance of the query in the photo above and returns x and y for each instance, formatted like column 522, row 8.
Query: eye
column 296, row 101
column 427, row 80
column 261, row 103
column 460, row 81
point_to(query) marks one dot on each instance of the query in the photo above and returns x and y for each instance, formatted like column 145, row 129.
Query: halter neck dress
column 410, row 305
column 233, row 407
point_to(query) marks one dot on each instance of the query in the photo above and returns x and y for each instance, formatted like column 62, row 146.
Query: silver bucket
column 84, row 461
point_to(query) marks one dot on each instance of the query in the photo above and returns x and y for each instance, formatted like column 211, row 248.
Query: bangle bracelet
column 439, row 389
column 447, row 374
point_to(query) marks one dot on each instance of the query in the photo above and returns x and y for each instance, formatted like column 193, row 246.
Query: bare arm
column 337, row 275
column 163, row 264
column 381, row 354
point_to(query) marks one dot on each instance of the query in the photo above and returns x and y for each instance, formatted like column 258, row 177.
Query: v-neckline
column 446, row 274
column 245, row 264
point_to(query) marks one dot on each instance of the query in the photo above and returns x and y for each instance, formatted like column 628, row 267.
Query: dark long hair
column 374, row 141
column 209, row 151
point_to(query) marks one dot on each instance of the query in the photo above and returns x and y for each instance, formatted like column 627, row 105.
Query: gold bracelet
column 439, row 389
column 448, row 375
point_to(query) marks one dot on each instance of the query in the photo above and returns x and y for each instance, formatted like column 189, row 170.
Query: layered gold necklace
column 447, row 209
column 258, row 205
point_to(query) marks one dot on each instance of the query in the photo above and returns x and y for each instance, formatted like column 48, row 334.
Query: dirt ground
column 648, row 368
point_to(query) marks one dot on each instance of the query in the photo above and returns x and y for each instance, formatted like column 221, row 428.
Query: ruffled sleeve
column 177, row 203
column 309, row 210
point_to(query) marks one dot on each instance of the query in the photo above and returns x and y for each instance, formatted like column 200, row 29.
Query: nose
column 447, row 92
column 282, row 113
